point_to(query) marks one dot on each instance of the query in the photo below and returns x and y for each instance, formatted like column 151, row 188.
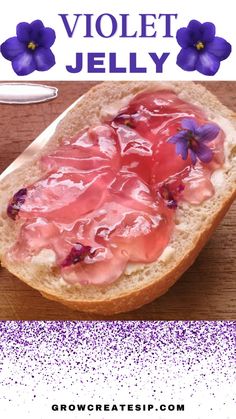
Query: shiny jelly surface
column 110, row 193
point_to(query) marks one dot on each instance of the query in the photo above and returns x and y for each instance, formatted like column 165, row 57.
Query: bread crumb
column 228, row 128
column 110, row 111
column 181, row 227
column 218, row 179
column 167, row 254
column 60, row 282
column 132, row 268
column 45, row 257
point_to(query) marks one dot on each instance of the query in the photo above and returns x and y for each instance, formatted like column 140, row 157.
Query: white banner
column 125, row 40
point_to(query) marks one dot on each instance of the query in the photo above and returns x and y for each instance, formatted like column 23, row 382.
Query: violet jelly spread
column 110, row 193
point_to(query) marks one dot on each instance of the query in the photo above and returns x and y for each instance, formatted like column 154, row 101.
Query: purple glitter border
column 164, row 357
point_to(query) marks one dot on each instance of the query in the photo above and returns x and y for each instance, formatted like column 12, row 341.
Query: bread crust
column 141, row 293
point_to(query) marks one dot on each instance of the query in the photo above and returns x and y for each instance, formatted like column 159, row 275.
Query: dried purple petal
column 16, row 203
column 172, row 204
column 77, row 254
column 170, row 196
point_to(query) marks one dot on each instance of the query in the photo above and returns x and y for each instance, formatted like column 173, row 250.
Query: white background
column 45, row 363
column 221, row 13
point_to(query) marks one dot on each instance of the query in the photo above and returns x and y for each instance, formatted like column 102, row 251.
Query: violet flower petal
column 184, row 38
column 177, row 137
column 207, row 132
column 207, row 63
column 219, row 47
column 46, row 38
column 11, row 48
column 37, row 25
column 187, row 58
column 44, row 59
column 193, row 156
column 204, row 153
column 24, row 64
column 189, row 124
column 37, row 28
column 182, row 149
column 23, row 31
column 208, row 32
column 195, row 30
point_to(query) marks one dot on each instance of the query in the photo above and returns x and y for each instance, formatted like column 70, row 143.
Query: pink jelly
column 110, row 193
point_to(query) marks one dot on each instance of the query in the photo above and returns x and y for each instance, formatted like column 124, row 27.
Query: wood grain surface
column 206, row 291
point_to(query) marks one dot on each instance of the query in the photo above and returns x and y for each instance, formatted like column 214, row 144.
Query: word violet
column 109, row 26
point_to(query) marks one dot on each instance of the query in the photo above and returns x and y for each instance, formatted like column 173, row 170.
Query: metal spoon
column 26, row 93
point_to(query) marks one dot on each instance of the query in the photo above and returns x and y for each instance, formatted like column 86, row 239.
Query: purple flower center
column 199, row 45
column 16, row 203
column 188, row 136
column 192, row 141
column 32, row 45
column 77, row 254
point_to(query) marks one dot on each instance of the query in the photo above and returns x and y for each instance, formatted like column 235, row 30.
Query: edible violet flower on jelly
column 30, row 50
column 192, row 139
column 77, row 254
column 201, row 49
column 171, row 196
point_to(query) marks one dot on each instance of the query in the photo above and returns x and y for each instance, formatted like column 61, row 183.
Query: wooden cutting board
column 206, row 291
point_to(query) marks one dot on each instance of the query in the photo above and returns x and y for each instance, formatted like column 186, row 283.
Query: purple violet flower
column 77, row 254
column 30, row 50
column 201, row 49
column 193, row 139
